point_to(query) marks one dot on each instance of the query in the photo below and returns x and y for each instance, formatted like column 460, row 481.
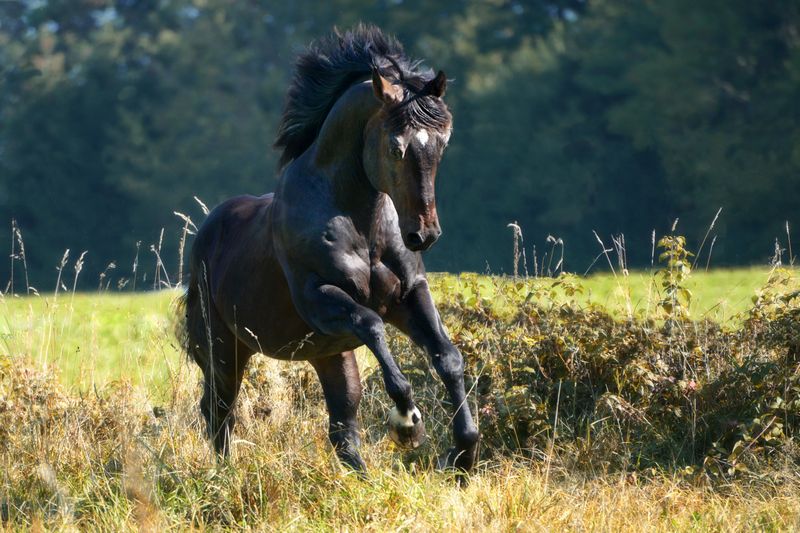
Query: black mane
column 331, row 65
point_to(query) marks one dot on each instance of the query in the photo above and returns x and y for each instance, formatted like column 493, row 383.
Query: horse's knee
column 449, row 364
column 371, row 326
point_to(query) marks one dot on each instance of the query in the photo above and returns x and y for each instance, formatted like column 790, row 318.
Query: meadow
column 641, row 401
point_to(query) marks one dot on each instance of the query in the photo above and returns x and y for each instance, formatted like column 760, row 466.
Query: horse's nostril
column 415, row 239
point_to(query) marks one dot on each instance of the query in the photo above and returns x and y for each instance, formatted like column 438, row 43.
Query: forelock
column 420, row 112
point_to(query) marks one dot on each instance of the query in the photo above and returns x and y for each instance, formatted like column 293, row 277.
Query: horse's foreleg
column 419, row 319
column 332, row 311
column 341, row 386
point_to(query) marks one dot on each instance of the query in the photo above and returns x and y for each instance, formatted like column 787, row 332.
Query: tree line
column 571, row 118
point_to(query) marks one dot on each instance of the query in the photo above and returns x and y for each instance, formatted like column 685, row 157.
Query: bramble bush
column 558, row 380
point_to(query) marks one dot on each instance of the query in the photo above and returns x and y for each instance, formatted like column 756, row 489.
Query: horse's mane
column 330, row 65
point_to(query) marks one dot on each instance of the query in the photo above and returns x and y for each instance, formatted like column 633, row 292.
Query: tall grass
column 594, row 413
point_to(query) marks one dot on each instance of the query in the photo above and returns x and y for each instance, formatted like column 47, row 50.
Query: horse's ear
column 437, row 86
column 384, row 90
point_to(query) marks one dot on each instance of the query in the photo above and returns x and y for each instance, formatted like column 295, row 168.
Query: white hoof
column 406, row 430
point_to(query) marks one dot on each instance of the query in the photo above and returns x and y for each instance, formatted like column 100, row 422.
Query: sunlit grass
column 94, row 338
column 99, row 429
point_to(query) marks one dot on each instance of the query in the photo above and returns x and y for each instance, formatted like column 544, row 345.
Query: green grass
column 95, row 338
column 720, row 294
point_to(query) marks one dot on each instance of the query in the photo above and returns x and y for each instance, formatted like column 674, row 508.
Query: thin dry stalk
column 605, row 251
column 652, row 283
column 186, row 231
column 60, row 269
column 159, row 264
column 18, row 235
column 777, row 254
column 519, row 249
column 652, row 249
column 710, row 251
column 622, row 255
column 135, row 265
column 10, row 286
column 553, row 241
column 203, row 206
column 708, row 231
column 104, row 274
column 160, row 267
column 552, row 443
column 78, row 267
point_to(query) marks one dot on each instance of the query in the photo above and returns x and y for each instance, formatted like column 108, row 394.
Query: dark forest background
column 571, row 116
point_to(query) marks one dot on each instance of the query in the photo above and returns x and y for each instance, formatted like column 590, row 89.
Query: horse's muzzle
column 419, row 241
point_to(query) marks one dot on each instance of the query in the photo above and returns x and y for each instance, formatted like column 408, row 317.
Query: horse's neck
column 337, row 153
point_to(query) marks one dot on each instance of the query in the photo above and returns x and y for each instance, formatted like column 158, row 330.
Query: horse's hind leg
column 223, row 360
column 341, row 386
column 221, row 384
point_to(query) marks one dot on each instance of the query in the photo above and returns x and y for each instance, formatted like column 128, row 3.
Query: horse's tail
column 183, row 308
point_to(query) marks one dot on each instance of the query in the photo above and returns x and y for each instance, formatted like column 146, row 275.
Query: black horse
column 316, row 269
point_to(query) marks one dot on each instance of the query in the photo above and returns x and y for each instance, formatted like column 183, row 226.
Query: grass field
column 100, row 430
column 92, row 339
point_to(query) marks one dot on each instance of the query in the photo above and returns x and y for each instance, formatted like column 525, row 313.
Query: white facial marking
column 403, row 421
column 422, row 137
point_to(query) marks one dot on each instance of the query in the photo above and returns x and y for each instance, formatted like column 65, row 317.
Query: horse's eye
column 396, row 152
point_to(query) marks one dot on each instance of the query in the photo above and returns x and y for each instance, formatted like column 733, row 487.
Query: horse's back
column 240, row 215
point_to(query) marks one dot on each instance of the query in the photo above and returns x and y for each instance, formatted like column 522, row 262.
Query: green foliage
column 676, row 297
column 550, row 370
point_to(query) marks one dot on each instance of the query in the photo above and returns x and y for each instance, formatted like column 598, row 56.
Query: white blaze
column 422, row 137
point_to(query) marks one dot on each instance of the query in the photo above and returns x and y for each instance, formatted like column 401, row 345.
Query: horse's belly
column 262, row 313
column 314, row 346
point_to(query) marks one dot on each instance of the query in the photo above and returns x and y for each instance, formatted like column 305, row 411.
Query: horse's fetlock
column 402, row 392
column 468, row 438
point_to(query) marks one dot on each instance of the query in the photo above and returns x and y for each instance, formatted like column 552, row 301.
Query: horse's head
column 403, row 144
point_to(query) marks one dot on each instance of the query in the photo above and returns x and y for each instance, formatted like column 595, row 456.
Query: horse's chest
column 357, row 263
column 372, row 283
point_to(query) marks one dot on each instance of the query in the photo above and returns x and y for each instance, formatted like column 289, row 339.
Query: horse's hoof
column 407, row 431
column 446, row 461
column 449, row 462
column 455, row 459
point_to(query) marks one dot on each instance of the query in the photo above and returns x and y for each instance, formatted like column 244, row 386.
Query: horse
column 319, row 267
